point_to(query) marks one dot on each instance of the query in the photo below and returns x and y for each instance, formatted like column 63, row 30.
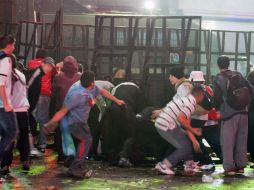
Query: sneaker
column 42, row 149
column 229, row 173
column 240, row 171
column 208, row 167
column 61, row 159
column 163, row 169
column 78, row 169
column 68, row 161
column 2, row 180
column 124, row 163
column 34, row 152
column 191, row 166
column 26, row 165
column 88, row 173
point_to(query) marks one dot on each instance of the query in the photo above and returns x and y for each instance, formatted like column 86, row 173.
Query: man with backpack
column 232, row 97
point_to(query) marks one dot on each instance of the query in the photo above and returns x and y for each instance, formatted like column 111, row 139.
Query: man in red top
column 42, row 108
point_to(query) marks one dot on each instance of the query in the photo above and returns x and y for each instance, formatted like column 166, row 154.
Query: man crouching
column 74, row 113
column 173, row 125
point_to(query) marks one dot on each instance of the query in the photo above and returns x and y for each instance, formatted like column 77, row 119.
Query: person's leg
column 251, row 132
column 94, row 125
column 185, row 152
column 23, row 140
column 58, row 144
column 227, row 139
column 81, row 132
column 7, row 160
column 212, row 135
column 240, row 152
column 181, row 142
column 67, row 140
column 9, row 131
column 129, row 129
column 42, row 116
column 34, row 152
column 204, row 157
column 111, row 134
column 32, row 123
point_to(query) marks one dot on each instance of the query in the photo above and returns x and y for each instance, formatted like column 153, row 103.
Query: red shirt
column 45, row 80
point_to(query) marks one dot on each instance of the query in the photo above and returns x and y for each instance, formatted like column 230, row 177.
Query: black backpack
column 237, row 91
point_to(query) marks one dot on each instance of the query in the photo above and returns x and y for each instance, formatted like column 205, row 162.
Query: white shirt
column 183, row 90
column 100, row 101
column 5, row 78
column 104, row 84
column 124, row 83
column 19, row 94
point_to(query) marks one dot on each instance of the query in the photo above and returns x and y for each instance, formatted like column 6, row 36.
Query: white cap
column 197, row 76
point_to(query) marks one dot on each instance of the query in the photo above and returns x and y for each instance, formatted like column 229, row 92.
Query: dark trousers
column 95, row 129
column 23, row 140
column 212, row 135
column 251, row 131
column 58, row 147
column 83, row 140
column 32, row 123
column 118, row 133
column 9, row 131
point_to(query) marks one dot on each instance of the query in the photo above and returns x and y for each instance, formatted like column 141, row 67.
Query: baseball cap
column 49, row 60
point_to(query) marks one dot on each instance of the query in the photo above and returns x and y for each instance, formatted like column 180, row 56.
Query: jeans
column 22, row 143
column 82, row 135
column 67, row 140
column 181, row 142
column 42, row 117
column 9, row 131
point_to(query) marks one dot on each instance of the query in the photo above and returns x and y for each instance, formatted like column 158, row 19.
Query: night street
column 46, row 174
column 126, row 95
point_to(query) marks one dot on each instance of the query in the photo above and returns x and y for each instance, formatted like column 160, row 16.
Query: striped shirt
column 167, row 119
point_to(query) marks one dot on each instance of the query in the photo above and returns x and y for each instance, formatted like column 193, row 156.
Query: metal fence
column 146, row 47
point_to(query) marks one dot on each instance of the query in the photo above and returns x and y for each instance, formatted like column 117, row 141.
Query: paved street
column 46, row 174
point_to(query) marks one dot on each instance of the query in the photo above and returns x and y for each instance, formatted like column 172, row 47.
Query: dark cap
column 177, row 71
column 49, row 60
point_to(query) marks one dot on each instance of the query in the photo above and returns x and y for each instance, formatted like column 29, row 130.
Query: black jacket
column 33, row 79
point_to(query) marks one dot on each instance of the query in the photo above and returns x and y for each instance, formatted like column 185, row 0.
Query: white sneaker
column 208, row 167
column 191, row 166
column 35, row 153
column 162, row 168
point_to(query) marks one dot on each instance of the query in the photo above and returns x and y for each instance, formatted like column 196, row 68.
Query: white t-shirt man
column 5, row 78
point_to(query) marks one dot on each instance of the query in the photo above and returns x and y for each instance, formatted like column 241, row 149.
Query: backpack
column 237, row 91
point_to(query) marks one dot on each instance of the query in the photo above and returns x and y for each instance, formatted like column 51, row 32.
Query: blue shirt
column 79, row 102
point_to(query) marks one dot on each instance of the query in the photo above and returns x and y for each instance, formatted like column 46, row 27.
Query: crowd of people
column 90, row 118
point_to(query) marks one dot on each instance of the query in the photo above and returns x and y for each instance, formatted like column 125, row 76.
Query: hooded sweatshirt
column 62, row 82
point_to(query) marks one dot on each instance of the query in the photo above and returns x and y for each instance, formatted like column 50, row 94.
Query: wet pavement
column 46, row 174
